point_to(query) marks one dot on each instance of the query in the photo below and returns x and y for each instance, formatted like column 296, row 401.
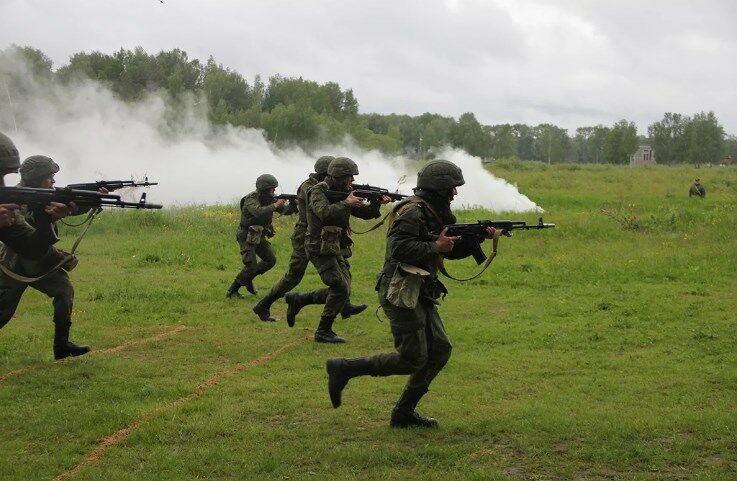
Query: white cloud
column 569, row 62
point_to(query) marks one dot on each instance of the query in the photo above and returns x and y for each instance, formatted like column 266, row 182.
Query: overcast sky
column 569, row 62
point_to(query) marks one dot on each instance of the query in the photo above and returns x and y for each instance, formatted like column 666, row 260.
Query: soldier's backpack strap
column 27, row 280
column 392, row 214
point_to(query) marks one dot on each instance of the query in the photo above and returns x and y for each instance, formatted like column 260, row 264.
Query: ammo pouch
column 71, row 263
column 330, row 236
column 405, row 286
column 255, row 232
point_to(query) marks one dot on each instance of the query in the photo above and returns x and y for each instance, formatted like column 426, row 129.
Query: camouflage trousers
column 335, row 273
column 295, row 272
column 252, row 266
column 58, row 286
column 422, row 346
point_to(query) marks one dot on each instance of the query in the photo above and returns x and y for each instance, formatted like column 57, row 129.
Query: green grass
column 603, row 349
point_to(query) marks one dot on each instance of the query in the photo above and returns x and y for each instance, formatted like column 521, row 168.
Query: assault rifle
column 373, row 194
column 370, row 188
column 65, row 195
column 476, row 232
column 289, row 197
column 111, row 185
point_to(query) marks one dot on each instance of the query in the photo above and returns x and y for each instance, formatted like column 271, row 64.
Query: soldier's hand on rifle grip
column 7, row 216
column 385, row 199
column 445, row 243
column 279, row 202
column 354, row 201
column 57, row 210
column 492, row 233
column 103, row 190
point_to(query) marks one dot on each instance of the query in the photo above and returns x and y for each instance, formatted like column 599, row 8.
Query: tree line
column 296, row 111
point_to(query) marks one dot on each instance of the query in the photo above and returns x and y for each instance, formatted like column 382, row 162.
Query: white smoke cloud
column 95, row 136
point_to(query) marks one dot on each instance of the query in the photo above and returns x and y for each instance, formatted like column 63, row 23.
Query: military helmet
column 439, row 175
column 266, row 182
column 37, row 167
column 321, row 166
column 9, row 158
column 342, row 167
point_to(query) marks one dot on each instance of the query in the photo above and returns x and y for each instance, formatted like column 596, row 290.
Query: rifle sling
column 374, row 227
column 490, row 258
column 28, row 280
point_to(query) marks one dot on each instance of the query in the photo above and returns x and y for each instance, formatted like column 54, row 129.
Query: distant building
column 645, row 155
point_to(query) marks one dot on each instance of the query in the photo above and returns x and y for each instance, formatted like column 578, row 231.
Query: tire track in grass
column 111, row 350
column 120, row 435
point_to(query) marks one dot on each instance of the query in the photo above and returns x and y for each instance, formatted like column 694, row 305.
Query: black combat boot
column 295, row 303
column 341, row 370
column 404, row 415
column 352, row 309
column 233, row 291
column 248, row 284
column 63, row 347
column 325, row 332
column 263, row 308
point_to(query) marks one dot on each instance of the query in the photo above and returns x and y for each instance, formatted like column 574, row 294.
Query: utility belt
column 409, row 285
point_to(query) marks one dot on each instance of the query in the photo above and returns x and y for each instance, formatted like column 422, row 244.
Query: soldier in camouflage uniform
column 408, row 290
column 299, row 261
column 328, row 246
column 697, row 189
column 38, row 171
column 257, row 213
column 14, row 231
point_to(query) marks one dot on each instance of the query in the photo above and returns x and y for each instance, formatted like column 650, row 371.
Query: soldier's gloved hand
column 7, row 214
column 354, row 201
column 280, row 202
column 57, row 210
column 445, row 243
column 492, row 233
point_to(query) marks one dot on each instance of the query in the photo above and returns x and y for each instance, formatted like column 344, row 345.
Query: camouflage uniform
column 254, row 230
column 298, row 261
column 328, row 223
column 421, row 343
column 21, row 237
column 56, row 285
column 697, row 189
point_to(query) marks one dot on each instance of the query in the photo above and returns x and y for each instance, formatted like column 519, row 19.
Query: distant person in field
column 697, row 189
column 409, row 290
column 254, row 231
column 38, row 171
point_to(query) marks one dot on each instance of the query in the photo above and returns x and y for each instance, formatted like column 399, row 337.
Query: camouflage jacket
column 412, row 234
column 27, row 245
column 257, row 210
column 322, row 213
column 300, row 229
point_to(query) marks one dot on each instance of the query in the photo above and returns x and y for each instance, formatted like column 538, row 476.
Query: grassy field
column 603, row 349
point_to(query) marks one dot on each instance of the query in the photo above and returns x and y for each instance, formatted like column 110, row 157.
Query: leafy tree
column 470, row 136
column 704, row 139
column 667, row 138
column 503, row 141
column 621, row 142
